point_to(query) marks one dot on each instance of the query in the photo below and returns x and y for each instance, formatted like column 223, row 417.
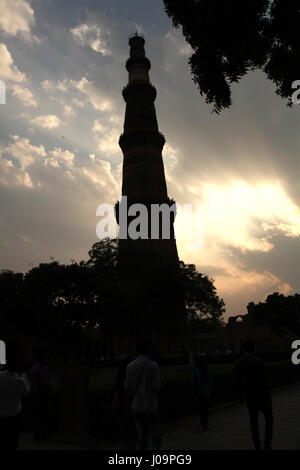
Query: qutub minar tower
column 153, row 264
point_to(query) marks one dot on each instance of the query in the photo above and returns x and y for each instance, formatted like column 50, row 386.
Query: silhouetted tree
column 11, row 300
column 54, row 301
column 279, row 312
column 204, row 308
column 57, row 294
column 103, row 257
column 230, row 37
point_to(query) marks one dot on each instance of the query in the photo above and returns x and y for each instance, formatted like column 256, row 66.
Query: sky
column 63, row 63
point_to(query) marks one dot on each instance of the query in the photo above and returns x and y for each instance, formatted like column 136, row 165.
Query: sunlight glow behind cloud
column 230, row 211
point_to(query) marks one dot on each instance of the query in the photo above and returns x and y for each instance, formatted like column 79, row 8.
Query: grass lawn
column 102, row 378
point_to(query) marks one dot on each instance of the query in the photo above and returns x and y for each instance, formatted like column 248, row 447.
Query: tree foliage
column 55, row 300
column 279, row 312
column 231, row 37
column 204, row 307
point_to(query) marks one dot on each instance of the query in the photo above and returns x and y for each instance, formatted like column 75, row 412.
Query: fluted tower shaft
column 141, row 142
column 154, row 262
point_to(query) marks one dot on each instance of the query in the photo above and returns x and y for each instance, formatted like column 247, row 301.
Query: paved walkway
column 230, row 428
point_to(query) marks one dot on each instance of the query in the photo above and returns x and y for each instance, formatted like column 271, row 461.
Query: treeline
column 55, row 300
column 279, row 312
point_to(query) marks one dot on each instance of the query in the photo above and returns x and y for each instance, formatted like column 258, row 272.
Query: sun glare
column 245, row 216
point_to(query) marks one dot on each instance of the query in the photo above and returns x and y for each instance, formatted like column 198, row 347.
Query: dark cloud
column 283, row 260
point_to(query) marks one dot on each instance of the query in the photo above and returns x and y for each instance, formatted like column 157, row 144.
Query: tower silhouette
column 151, row 262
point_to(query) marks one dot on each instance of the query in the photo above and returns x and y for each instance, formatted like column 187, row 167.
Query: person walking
column 14, row 385
column 143, row 381
column 40, row 396
column 202, row 386
column 252, row 384
column 121, row 407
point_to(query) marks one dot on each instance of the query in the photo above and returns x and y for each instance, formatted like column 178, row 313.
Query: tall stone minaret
column 152, row 263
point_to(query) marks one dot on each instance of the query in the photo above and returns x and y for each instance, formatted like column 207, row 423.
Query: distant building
column 208, row 342
column 241, row 327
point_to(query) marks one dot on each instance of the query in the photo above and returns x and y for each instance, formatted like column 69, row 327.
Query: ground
column 229, row 428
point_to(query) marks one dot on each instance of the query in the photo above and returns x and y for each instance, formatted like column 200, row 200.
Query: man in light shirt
column 13, row 387
column 143, row 381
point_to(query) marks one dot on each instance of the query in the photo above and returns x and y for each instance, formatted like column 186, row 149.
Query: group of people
column 135, row 397
column 138, row 381
column 14, row 386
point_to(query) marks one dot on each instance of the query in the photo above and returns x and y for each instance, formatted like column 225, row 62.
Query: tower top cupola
column 138, row 65
column 135, row 39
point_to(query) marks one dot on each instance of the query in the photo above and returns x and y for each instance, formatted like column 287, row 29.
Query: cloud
column 50, row 121
column 77, row 103
column 91, row 35
column 170, row 159
column 57, row 155
column 98, row 127
column 33, row 159
column 12, row 76
column 174, row 41
column 24, row 94
column 13, row 176
column 23, row 151
column 24, row 154
column 250, row 230
column 91, row 90
column 17, row 17
column 100, row 174
column 53, row 206
column 51, row 86
column 241, row 286
column 95, row 95
column 243, row 213
column 69, row 111
column 282, row 259
column 107, row 136
column 8, row 70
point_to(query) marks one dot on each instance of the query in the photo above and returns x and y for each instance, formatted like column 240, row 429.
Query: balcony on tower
column 138, row 65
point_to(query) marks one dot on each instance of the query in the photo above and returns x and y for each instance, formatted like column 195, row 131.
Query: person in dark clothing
column 202, row 386
column 40, row 396
column 251, row 378
column 121, row 407
column 14, row 386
